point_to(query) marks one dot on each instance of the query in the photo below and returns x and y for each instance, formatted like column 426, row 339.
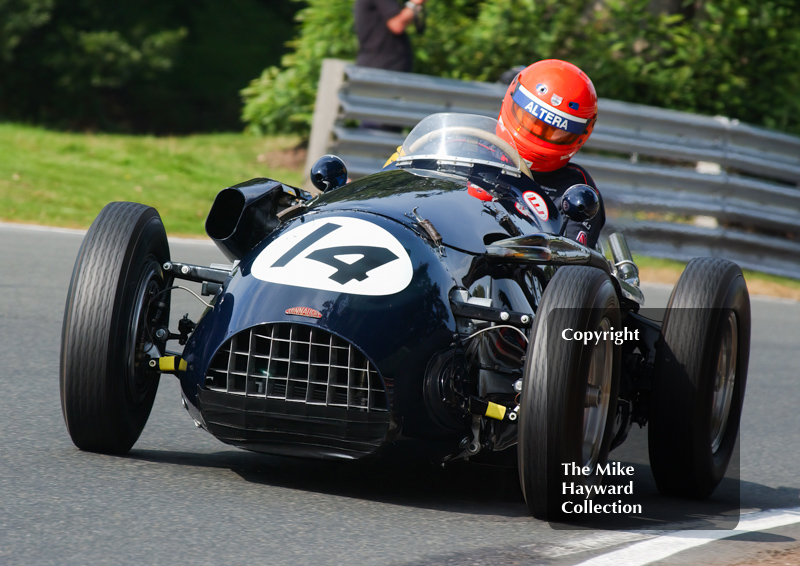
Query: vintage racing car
column 433, row 306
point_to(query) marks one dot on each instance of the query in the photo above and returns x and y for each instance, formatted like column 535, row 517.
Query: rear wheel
column 570, row 389
column 700, row 378
column 116, row 298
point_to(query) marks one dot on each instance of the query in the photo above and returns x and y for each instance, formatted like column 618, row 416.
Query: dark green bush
column 17, row 19
column 737, row 58
column 162, row 66
column 282, row 99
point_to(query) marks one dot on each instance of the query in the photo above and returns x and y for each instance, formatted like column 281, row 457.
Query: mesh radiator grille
column 296, row 363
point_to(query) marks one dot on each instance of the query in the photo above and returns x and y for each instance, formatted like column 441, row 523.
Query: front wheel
column 700, row 378
column 116, row 298
column 570, row 388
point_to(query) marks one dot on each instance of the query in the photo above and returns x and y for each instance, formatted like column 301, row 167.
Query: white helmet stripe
column 550, row 108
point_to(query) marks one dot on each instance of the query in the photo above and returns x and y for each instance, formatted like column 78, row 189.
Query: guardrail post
column 326, row 110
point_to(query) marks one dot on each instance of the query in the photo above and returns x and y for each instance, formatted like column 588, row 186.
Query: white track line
column 666, row 545
column 587, row 543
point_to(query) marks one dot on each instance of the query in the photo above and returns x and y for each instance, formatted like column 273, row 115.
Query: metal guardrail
column 679, row 185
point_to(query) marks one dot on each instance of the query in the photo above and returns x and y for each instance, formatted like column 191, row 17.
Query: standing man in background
column 381, row 29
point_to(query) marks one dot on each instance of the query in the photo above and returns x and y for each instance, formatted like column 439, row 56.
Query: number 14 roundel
column 337, row 253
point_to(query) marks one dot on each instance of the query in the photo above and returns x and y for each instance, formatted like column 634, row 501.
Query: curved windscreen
column 462, row 139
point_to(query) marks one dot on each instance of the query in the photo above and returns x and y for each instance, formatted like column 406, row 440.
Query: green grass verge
column 750, row 276
column 64, row 179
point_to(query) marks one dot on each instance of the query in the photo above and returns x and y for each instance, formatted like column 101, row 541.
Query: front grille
column 296, row 363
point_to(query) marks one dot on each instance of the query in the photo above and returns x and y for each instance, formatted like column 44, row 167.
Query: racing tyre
column 700, row 378
column 570, row 389
column 116, row 296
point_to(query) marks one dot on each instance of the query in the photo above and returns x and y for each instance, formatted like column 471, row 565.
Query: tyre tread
column 681, row 463
column 90, row 395
column 570, row 290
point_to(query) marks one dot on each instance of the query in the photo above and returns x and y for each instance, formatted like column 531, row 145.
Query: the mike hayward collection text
column 586, row 505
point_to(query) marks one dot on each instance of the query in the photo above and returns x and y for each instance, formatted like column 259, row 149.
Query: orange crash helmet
column 549, row 111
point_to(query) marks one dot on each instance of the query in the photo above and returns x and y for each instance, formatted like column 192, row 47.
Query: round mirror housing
column 580, row 203
column 329, row 172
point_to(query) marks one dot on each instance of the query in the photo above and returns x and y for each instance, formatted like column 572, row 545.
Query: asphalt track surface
column 181, row 496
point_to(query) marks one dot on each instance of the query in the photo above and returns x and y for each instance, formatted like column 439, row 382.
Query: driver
column 548, row 112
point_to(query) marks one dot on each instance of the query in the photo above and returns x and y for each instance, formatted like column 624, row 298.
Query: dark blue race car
column 433, row 307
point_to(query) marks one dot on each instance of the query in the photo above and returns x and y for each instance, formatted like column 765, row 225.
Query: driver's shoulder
column 564, row 177
column 581, row 173
column 398, row 153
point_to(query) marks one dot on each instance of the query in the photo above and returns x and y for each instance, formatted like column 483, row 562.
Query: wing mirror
column 580, row 203
column 329, row 172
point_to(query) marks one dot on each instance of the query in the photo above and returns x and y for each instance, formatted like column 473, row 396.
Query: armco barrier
column 678, row 185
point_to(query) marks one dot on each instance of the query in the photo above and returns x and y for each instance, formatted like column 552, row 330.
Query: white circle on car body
column 537, row 204
column 336, row 253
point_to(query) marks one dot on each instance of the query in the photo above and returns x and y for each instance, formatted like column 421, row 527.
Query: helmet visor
column 533, row 115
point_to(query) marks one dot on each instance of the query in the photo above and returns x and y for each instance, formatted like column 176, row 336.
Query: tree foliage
column 157, row 66
column 17, row 19
column 282, row 99
column 732, row 57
